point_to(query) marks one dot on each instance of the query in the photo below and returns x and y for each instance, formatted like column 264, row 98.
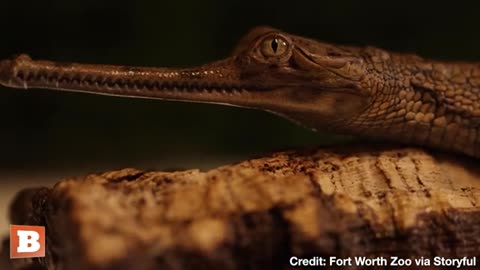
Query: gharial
column 367, row 92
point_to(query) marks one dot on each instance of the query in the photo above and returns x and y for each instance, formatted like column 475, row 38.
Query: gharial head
column 313, row 83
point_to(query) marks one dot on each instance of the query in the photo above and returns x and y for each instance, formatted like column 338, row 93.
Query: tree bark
column 257, row 214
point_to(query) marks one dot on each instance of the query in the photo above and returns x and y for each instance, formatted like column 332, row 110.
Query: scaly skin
column 358, row 91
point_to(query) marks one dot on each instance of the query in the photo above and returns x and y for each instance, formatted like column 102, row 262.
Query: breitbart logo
column 27, row 241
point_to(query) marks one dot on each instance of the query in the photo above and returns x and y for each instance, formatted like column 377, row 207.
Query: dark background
column 47, row 131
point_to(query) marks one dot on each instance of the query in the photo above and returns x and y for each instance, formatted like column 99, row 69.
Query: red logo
column 27, row 241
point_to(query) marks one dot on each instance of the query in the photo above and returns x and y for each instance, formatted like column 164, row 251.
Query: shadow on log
column 259, row 213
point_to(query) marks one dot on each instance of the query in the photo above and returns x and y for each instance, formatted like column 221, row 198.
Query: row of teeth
column 123, row 84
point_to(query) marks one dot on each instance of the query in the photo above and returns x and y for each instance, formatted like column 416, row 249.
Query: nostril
column 22, row 58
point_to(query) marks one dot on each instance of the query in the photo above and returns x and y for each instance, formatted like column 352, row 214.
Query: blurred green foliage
column 52, row 130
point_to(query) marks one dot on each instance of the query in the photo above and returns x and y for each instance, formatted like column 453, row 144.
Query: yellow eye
column 274, row 46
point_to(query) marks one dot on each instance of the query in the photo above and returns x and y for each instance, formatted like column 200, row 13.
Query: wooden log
column 260, row 213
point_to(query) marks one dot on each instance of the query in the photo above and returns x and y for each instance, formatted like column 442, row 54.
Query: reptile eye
column 274, row 46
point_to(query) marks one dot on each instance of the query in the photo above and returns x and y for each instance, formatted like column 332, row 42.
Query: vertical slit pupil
column 274, row 45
